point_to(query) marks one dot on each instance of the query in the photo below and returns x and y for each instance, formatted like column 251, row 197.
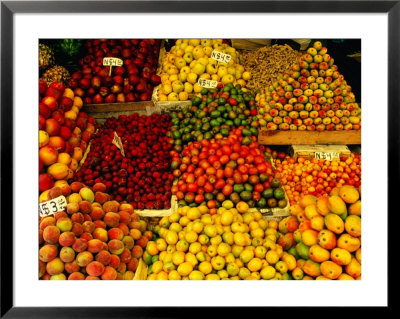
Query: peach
column 124, row 228
column 92, row 278
column 97, row 213
column 85, row 207
column 74, row 198
column 126, row 207
column 52, row 127
column 45, row 276
column 76, row 276
column 99, row 224
column 48, row 155
column 77, row 229
column 48, row 253
column 86, row 218
column 95, row 268
column 101, row 197
column 115, row 233
column 135, row 217
column 84, row 258
column 41, row 240
column 111, row 206
column 111, row 219
column 77, row 218
column 88, row 226
column 96, row 204
column 60, row 214
column 67, row 254
column 124, row 217
column 120, row 276
column 42, row 268
column 79, row 245
column 58, row 277
column 51, row 234
column 128, row 242
column 95, row 245
column 58, row 143
column 129, row 275
column 99, row 187
column 137, row 251
column 72, row 208
column 71, row 267
column 66, row 239
column 101, row 234
column 125, row 256
column 115, row 246
column 47, row 221
column 133, row 264
column 65, row 189
column 54, row 192
column 76, row 186
column 64, row 224
column 103, row 257
column 86, row 194
column 121, row 268
column 142, row 241
column 109, row 273
column 86, row 236
column 55, row 266
column 115, row 261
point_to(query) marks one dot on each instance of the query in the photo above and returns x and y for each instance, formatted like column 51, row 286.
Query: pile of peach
column 94, row 238
column 317, row 177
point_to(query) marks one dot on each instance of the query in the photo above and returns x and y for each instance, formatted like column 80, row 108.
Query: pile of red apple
column 133, row 81
column 64, row 132
column 143, row 177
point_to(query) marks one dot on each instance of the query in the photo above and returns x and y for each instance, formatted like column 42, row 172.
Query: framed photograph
column 374, row 24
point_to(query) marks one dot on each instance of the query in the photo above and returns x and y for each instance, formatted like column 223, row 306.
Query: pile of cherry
column 142, row 177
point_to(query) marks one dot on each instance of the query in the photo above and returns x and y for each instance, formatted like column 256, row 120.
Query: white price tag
column 209, row 84
column 118, row 143
column 328, row 156
column 220, row 57
column 109, row 61
column 52, row 206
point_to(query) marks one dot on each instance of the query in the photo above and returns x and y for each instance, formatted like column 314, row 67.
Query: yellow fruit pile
column 232, row 244
column 328, row 238
column 190, row 59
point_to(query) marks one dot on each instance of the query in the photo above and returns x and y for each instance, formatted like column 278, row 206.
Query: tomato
column 262, row 168
column 204, row 164
column 211, row 203
column 201, row 180
column 219, row 184
column 228, row 171
column 190, row 168
column 236, row 147
column 198, row 199
column 212, row 159
column 195, row 160
column 199, row 171
column 267, row 185
column 237, row 177
column 226, row 150
column 183, row 167
column 203, row 155
column 176, row 173
column 249, row 158
column 259, row 188
column 208, row 187
column 243, row 169
column 179, row 195
column 224, row 159
column 258, row 160
column 183, row 188
column 256, row 196
column 211, row 171
column 230, row 181
column 217, row 165
column 192, row 187
column 234, row 156
column 220, row 174
column 174, row 189
column 212, row 179
column 190, row 178
column 253, row 170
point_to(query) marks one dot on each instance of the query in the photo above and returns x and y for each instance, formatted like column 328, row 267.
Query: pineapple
column 46, row 57
column 56, row 73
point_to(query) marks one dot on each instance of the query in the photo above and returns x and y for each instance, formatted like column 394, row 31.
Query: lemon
column 185, row 268
column 268, row 272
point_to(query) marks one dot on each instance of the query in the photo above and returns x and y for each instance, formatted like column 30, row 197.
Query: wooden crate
column 250, row 44
column 267, row 137
column 159, row 212
column 309, row 151
column 141, row 271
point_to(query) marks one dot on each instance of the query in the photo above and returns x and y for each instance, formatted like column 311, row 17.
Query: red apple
column 97, row 99
column 42, row 86
column 121, row 98
column 58, row 86
column 45, row 182
column 133, row 79
column 104, row 91
column 53, row 92
column 84, row 83
column 96, row 82
column 66, row 102
column 44, row 110
column 42, row 122
column 65, row 132
column 155, row 79
column 110, row 98
column 116, row 88
column 58, row 115
column 50, row 102
column 52, row 127
column 79, row 92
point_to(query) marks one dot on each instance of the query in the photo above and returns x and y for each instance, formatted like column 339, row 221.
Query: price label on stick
column 118, row 143
column 109, row 61
column 209, row 84
column 328, row 156
column 52, row 206
column 220, row 57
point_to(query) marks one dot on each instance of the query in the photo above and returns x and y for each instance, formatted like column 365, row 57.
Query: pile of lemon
column 233, row 244
column 190, row 60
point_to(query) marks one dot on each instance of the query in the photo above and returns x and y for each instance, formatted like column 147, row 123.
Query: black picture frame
column 9, row 8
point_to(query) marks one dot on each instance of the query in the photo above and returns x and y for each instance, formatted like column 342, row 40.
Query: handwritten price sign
column 52, row 206
column 109, row 61
column 118, row 143
column 209, row 84
column 328, row 156
column 220, row 57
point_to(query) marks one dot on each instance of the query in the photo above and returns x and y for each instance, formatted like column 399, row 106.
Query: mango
column 318, row 254
column 307, row 200
column 290, row 260
column 323, row 205
column 355, row 208
column 353, row 268
column 358, row 255
column 334, row 223
column 327, row 239
column 317, row 223
column 297, row 235
column 302, row 250
column 282, row 226
column 344, row 276
column 348, row 242
column 330, row 269
column 58, row 171
column 295, row 209
column 334, row 191
column 311, row 211
column 309, row 237
column 312, row 268
column 349, row 194
column 293, row 252
column 337, row 205
column 353, row 225
column 340, row 256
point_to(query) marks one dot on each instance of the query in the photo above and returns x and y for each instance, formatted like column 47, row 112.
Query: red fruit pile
column 214, row 170
column 142, row 177
column 133, row 81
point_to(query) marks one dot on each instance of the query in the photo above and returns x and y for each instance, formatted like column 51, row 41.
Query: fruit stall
column 199, row 159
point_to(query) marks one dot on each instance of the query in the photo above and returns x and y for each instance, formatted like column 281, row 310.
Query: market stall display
column 191, row 162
